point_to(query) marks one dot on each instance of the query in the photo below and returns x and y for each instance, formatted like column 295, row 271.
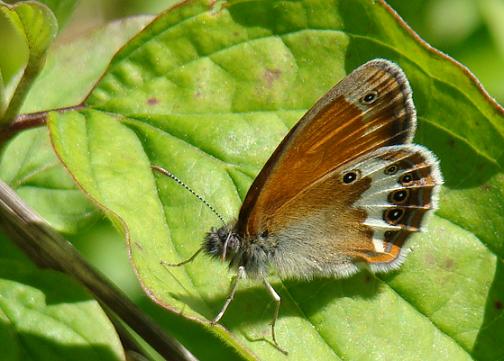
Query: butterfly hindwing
column 405, row 182
column 341, row 221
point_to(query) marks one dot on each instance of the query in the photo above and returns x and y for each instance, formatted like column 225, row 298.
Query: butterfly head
column 223, row 243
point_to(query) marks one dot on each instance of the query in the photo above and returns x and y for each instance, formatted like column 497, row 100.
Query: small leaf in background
column 39, row 27
column 62, row 9
column 208, row 93
column 46, row 316
column 13, row 57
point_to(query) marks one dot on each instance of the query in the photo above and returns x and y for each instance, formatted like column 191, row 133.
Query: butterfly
column 345, row 189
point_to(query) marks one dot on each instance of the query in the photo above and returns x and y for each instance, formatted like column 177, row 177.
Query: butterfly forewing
column 369, row 109
column 340, row 221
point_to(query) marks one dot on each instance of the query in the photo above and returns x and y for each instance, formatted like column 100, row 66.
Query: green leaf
column 28, row 163
column 62, row 9
column 207, row 91
column 46, row 316
column 30, row 167
column 39, row 27
column 13, row 57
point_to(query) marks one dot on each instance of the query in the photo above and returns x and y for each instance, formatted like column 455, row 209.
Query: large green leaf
column 46, row 316
column 208, row 90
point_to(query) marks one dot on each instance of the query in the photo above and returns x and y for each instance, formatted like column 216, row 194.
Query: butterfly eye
column 350, row 177
column 399, row 196
column 393, row 215
column 391, row 169
column 264, row 234
column 369, row 98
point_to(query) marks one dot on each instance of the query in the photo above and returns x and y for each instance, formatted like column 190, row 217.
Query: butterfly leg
column 277, row 300
column 234, row 286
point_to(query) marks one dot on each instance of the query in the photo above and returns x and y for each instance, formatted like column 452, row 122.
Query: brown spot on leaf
column 498, row 305
column 270, row 75
column 367, row 279
column 451, row 142
column 430, row 259
column 449, row 264
column 198, row 93
column 152, row 101
column 486, row 187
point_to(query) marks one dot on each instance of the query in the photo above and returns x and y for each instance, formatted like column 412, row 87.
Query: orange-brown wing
column 369, row 109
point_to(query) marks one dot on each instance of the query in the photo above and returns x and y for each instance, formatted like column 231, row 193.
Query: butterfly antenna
column 176, row 179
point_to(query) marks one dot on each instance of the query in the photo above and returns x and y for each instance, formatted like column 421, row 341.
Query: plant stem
column 28, row 121
column 49, row 249
column 29, row 75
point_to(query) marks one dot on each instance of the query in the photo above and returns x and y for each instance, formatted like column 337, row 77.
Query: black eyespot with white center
column 350, row 176
column 399, row 196
column 264, row 234
column 391, row 169
column 406, row 179
column 370, row 97
column 393, row 215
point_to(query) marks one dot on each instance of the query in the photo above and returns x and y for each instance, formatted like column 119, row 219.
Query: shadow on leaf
column 461, row 165
column 488, row 344
column 26, row 344
column 253, row 305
